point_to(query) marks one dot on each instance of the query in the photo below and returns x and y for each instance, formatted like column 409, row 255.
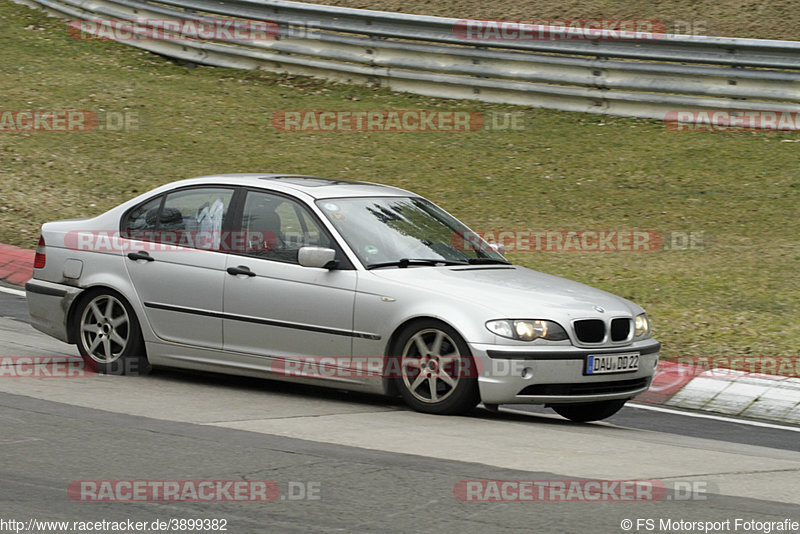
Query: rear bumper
column 49, row 304
column 556, row 374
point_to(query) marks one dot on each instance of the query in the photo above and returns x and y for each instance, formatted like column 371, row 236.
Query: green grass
column 759, row 19
column 736, row 296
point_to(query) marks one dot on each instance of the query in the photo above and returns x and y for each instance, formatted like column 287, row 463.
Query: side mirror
column 498, row 247
column 319, row 257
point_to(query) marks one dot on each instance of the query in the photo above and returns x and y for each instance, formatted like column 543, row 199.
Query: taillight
column 39, row 259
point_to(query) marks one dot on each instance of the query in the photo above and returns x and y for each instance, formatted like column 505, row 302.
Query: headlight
column 527, row 329
column 641, row 325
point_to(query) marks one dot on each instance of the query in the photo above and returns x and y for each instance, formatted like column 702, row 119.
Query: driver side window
column 275, row 227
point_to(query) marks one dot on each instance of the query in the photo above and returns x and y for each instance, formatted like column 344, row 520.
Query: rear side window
column 190, row 218
column 142, row 222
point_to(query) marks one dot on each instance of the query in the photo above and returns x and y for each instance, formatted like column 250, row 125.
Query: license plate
column 612, row 363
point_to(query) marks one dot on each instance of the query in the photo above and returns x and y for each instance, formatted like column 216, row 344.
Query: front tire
column 437, row 372
column 588, row 411
column 108, row 335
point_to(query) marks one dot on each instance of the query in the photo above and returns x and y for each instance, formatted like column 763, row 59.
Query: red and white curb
column 758, row 396
column 16, row 264
column 736, row 393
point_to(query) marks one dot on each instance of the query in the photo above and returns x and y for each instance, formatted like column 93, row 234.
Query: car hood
column 514, row 292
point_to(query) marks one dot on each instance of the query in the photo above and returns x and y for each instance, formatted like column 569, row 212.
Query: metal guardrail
column 646, row 77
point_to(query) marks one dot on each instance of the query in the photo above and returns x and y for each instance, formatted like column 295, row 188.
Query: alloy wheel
column 431, row 365
column 104, row 328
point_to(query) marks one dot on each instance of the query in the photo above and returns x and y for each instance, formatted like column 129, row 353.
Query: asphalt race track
column 356, row 463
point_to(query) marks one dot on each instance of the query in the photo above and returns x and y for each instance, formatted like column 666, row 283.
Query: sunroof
column 311, row 181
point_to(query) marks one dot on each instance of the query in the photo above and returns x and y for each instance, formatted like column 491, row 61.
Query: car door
column 175, row 263
column 276, row 307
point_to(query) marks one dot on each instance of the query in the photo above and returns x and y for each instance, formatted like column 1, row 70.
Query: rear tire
column 588, row 411
column 108, row 335
column 437, row 372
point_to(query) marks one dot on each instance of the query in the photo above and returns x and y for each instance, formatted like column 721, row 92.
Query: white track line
column 701, row 415
column 698, row 415
column 10, row 291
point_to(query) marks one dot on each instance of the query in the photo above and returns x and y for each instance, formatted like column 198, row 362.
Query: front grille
column 620, row 329
column 589, row 388
column 590, row 330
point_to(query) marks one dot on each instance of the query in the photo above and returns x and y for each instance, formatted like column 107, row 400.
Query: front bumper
column 49, row 304
column 555, row 374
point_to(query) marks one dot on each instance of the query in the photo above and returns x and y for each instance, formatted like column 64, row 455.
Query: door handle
column 140, row 255
column 241, row 269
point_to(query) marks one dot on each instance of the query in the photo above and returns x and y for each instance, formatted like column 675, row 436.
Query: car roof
column 314, row 186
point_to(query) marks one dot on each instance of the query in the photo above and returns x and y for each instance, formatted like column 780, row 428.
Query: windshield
column 388, row 231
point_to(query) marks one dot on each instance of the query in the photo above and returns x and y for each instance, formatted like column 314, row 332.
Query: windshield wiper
column 405, row 262
column 487, row 261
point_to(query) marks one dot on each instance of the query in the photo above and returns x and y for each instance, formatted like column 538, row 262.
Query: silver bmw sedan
column 336, row 283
